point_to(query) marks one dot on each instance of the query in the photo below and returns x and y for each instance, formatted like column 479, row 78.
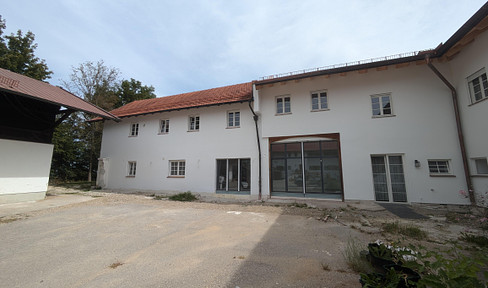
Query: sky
column 183, row 46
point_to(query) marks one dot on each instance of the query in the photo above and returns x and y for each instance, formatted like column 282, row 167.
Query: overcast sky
column 182, row 46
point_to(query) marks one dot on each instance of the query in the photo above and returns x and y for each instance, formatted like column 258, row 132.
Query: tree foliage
column 17, row 54
column 132, row 90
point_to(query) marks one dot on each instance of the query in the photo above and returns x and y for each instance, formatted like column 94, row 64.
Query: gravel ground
column 127, row 240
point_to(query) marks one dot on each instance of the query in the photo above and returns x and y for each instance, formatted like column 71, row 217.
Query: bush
column 185, row 197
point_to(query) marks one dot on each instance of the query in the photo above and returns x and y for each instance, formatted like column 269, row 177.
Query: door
column 388, row 178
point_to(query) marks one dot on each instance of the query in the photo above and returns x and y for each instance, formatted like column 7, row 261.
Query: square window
column 233, row 119
column 478, row 86
column 134, row 129
column 194, row 123
column 131, row 168
column 177, row 168
column 283, row 105
column 439, row 167
column 164, row 126
column 481, row 166
column 319, row 101
column 381, row 105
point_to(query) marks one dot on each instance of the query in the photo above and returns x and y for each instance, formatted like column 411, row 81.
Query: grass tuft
column 408, row 230
column 480, row 240
column 353, row 257
column 185, row 197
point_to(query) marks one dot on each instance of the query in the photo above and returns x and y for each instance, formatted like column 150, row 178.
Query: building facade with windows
column 405, row 128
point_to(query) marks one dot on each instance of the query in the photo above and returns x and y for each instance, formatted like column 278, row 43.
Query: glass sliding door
column 307, row 169
column 234, row 176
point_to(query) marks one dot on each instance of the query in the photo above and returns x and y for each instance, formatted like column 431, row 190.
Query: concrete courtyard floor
column 122, row 240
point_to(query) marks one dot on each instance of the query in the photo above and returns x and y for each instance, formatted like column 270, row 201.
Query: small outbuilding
column 30, row 110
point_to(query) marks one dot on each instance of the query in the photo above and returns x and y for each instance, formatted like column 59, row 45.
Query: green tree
column 17, row 54
column 132, row 90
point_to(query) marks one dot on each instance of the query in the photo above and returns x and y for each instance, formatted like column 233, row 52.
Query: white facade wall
column 474, row 116
column 25, row 168
column 200, row 150
column 423, row 127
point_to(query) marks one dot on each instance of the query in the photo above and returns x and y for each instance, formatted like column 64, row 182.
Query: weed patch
column 354, row 259
column 115, row 265
column 408, row 230
column 185, row 197
column 480, row 240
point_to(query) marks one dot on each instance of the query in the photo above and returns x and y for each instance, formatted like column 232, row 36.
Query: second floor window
column 478, row 86
column 194, row 123
column 134, row 129
column 319, row 101
column 283, row 105
column 164, row 126
column 381, row 105
column 234, row 119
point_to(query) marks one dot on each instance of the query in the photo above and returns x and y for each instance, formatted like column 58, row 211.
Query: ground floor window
column 234, row 175
column 131, row 168
column 177, row 168
column 388, row 178
column 306, row 168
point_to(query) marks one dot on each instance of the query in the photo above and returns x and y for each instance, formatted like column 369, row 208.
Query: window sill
column 235, row 127
column 480, row 175
column 130, row 176
column 442, row 175
column 319, row 110
column 132, row 136
column 474, row 103
column 192, row 130
column 383, row 116
column 165, row 133
column 281, row 114
column 174, row 176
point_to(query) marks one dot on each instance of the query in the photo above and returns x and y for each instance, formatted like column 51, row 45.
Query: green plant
column 353, row 256
column 299, row 205
column 185, row 197
column 480, row 240
column 159, row 197
column 408, row 230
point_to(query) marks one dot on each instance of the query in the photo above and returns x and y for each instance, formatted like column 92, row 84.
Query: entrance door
column 306, row 169
column 389, row 178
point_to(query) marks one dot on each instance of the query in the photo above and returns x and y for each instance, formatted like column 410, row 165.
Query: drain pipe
column 256, row 117
column 467, row 174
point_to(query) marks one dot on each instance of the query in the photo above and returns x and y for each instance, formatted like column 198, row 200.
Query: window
column 283, row 105
column 177, row 168
column 478, row 86
column 194, row 123
column 164, row 126
column 481, row 166
column 134, row 129
column 234, row 175
column 319, row 101
column 233, row 119
column 381, row 105
column 131, row 168
column 439, row 167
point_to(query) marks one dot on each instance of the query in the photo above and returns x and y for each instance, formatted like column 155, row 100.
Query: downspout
column 256, row 117
column 462, row 145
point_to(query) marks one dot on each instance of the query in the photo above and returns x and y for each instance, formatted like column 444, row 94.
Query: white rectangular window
column 283, row 105
column 381, row 105
column 478, row 86
column 194, row 123
column 134, row 129
column 164, row 126
column 233, row 119
column 319, row 101
column 481, row 166
column 439, row 167
column 177, row 168
column 131, row 168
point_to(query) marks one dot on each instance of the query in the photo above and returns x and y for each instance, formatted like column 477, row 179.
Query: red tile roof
column 25, row 86
column 216, row 96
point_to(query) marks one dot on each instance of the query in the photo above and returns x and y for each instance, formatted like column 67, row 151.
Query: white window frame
column 231, row 120
column 319, row 100
column 196, row 126
column 180, row 170
column 164, row 126
column 439, row 167
column 283, row 99
column 134, row 130
column 131, row 168
column 479, row 164
column 381, row 108
column 479, row 75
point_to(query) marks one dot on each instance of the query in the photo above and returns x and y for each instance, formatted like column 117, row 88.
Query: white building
column 406, row 128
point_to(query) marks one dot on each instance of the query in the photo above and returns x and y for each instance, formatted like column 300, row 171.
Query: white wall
column 24, row 170
column 474, row 116
column 199, row 149
column 423, row 127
